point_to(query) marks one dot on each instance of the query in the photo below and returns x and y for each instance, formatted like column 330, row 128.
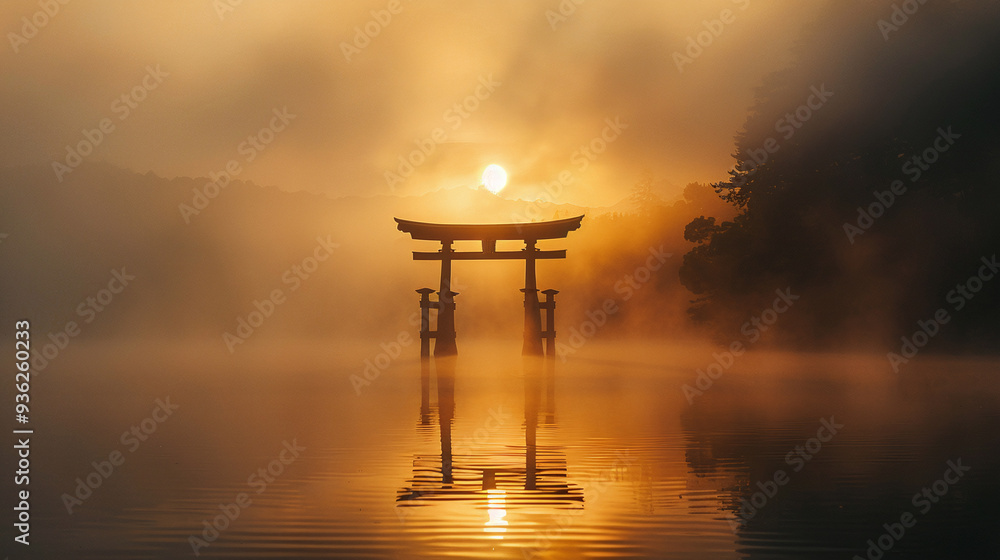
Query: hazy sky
column 546, row 86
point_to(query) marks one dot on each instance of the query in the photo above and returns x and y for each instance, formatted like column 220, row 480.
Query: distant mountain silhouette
column 200, row 267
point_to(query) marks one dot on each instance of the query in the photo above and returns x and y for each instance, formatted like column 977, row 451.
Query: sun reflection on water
column 497, row 509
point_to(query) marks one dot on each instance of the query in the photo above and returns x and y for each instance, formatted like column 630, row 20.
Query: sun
column 494, row 178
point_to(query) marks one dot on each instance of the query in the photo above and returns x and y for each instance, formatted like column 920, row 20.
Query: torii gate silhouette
column 488, row 235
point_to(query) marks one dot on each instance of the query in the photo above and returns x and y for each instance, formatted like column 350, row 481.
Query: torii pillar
column 445, row 345
column 532, row 312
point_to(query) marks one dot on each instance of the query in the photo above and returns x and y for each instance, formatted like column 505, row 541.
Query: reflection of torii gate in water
column 462, row 474
column 488, row 235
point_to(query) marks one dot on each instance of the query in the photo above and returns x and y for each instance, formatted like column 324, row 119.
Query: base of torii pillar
column 532, row 324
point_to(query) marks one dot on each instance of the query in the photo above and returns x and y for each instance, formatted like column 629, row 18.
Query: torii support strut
column 488, row 235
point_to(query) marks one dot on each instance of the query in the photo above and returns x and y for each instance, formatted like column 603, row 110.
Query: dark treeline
column 865, row 180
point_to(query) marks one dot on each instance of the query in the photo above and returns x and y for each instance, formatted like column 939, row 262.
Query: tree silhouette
column 798, row 188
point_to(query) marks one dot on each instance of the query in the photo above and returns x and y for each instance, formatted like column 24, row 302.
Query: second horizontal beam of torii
column 486, row 255
column 489, row 234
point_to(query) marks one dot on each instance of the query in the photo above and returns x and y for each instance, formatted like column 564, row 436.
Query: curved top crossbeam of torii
column 554, row 229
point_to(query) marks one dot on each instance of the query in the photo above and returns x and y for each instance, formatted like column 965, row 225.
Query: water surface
column 490, row 455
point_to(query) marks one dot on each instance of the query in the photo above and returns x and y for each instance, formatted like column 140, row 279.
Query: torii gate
column 488, row 235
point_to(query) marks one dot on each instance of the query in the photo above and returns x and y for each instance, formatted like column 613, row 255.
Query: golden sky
column 550, row 77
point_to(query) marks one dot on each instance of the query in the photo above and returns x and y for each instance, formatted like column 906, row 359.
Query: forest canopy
column 864, row 180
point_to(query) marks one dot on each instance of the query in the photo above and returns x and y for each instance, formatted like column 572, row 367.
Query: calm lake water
column 493, row 456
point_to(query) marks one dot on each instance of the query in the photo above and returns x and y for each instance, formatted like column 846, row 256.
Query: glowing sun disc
column 494, row 178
